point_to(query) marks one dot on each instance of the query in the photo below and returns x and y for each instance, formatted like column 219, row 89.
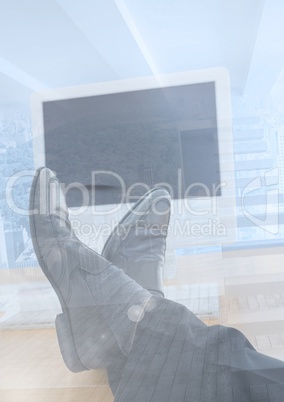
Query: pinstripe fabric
column 175, row 357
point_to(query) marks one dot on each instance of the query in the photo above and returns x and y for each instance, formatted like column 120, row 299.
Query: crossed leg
column 154, row 349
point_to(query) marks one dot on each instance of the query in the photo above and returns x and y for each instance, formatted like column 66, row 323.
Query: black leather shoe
column 138, row 243
column 85, row 340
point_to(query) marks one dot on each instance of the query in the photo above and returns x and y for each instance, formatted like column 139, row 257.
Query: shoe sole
column 62, row 322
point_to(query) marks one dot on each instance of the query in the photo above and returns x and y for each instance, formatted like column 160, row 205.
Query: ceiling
column 56, row 43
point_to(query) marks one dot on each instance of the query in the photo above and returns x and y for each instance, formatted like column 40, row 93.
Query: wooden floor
column 32, row 370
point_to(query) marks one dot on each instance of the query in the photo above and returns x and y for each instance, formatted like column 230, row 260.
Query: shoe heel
column 67, row 345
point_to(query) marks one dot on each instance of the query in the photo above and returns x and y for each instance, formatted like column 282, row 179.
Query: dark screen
column 139, row 138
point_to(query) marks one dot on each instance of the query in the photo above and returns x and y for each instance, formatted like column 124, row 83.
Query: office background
column 63, row 43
